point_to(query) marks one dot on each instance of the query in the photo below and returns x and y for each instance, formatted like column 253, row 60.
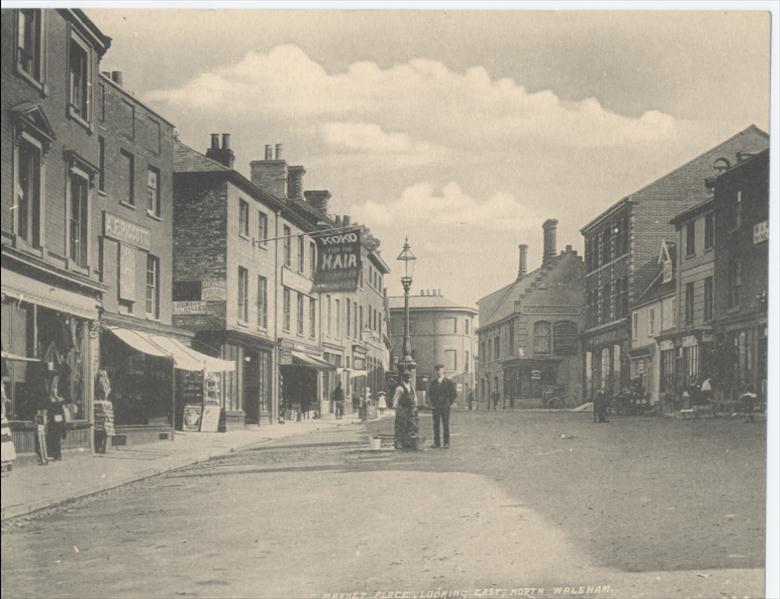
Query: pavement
column 31, row 488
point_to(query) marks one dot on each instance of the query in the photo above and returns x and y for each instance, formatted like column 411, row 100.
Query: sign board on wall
column 761, row 232
column 126, row 232
column 213, row 290
column 127, row 272
column 193, row 307
column 338, row 261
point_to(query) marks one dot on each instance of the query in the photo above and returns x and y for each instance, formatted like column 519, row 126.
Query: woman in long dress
column 8, row 449
column 406, row 422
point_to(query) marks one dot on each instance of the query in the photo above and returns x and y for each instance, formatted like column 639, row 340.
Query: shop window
column 79, row 78
column 287, row 301
column 79, row 218
column 667, row 371
column 243, row 294
column 152, row 286
column 262, row 229
column 690, row 239
column 243, row 218
column 29, row 36
column 153, row 191
column 262, row 302
column 709, row 231
column 299, row 314
column 28, row 192
column 542, row 337
column 127, row 168
column 312, row 318
column 287, row 246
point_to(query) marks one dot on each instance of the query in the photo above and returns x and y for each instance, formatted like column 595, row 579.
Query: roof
column 762, row 155
column 130, row 96
column 656, row 291
column 603, row 214
column 693, row 211
column 427, row 302
column 501, row 304
column 91, row 28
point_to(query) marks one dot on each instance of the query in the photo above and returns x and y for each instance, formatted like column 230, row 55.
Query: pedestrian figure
column 600, row 406
column 381, row 402
column 338, row 400
column 496, row 397
column 748, row 400
column 442, row 393
column 104, row 413
column 405, row 403
column 471, row 400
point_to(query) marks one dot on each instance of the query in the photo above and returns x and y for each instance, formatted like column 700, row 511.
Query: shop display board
column 209, row 422
column 192, row 417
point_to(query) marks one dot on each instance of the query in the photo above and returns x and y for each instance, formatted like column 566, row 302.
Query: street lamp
column 407, row 258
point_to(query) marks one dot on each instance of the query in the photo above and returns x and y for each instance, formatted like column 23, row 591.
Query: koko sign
column 338, row 262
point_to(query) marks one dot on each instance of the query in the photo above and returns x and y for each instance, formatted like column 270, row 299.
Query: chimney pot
column 116, row 77
column 215, row 141
column 347, row 220
column 278, row 151
column 226, row 141
column 522, row 267
column 269, row 152
column 224, row 155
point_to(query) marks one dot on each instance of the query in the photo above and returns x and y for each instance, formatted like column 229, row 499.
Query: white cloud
column 450, row 206
column 447, row 108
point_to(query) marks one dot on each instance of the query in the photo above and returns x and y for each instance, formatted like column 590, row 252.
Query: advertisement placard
column 338, row 261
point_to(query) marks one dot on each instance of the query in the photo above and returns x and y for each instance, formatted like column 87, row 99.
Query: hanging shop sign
column 761, row 232
column 338, row 262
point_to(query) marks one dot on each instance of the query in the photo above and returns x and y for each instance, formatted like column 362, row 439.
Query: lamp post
column 407, row 258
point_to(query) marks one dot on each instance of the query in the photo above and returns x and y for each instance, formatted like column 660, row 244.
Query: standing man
column 338, row 400
column 495, row 397
column 442, row 393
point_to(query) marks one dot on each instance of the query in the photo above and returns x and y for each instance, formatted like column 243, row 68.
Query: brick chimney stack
column 522, row 267
column 295, row 182
column 318, row 198
column 550, row 227
column 222, row 154
column 270, row 174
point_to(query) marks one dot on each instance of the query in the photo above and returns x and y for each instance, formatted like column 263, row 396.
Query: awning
column 36, row 292
column 311, row 361
column 17, row 358
column 187, row 358
column 163, row 346
column 354, row 373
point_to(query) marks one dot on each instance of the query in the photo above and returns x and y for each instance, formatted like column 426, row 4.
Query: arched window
column 542, row 337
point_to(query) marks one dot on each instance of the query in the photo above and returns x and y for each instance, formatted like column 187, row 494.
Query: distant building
column 741, row 208
column 653, row 316
column 442, row 332
column 621, row 250
column 529, row 330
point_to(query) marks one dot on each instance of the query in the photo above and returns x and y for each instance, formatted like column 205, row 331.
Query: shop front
column 145, row 370
column 741, row 360
column 526, row 380
column 607, row 361
column 47, row 331
column 301, row 383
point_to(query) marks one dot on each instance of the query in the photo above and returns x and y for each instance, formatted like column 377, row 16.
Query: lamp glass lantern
column 408, row 259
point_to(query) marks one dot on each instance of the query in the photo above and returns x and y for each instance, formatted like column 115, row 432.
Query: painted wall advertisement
column 338, row 261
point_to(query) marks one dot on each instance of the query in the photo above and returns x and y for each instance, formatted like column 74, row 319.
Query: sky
column 463, row 130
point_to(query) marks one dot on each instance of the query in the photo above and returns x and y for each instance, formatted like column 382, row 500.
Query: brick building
column 442, row 332
column 529, row 330
column 51, row 287
column 621, row 246
column 225, row 276
column 741, row 271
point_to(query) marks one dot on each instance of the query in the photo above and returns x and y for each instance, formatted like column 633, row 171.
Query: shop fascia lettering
column 126, row 232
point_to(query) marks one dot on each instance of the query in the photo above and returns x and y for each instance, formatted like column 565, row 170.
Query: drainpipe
column 275, row 367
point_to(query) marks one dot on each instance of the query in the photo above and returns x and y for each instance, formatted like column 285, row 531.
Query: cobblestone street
column 635, row 508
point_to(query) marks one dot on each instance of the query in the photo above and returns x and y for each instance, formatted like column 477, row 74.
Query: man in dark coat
column 600, row 405
column 442, row 394
column 338, row 399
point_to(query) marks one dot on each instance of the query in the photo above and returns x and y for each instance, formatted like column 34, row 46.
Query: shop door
column 251, row 386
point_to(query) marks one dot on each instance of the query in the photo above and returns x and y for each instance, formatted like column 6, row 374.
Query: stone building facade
column 442, row 332
column 529, row 330
column 621, row 246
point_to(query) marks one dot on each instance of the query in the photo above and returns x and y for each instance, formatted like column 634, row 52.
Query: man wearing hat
column 443, row 395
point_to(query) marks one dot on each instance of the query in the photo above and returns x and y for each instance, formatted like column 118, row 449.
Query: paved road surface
column 523, row 500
